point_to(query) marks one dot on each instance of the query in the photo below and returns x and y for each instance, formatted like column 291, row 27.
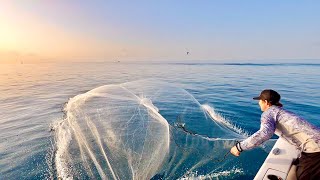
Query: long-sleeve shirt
column 288, row 125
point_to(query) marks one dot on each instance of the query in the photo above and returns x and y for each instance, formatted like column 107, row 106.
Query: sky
column 99, row 30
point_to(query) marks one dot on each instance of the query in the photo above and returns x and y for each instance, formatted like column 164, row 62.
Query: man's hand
column 235, row 151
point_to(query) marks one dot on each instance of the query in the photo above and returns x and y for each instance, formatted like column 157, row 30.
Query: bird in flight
column 187, row 51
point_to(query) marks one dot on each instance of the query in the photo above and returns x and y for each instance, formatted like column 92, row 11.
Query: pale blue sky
column 161, row 30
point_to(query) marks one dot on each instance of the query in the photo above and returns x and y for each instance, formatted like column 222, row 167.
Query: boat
column 278, row 162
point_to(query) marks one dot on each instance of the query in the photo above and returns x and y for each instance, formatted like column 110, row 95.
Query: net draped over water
column 142, row 130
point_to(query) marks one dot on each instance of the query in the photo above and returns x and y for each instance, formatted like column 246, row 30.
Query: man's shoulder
column 271, row 112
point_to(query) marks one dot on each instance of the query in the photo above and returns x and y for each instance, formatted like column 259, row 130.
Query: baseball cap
column 269, row 95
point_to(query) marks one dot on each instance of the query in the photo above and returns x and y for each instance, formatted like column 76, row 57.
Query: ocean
column 142, row 120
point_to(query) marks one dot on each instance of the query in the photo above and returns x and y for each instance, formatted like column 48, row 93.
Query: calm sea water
column 32, row 97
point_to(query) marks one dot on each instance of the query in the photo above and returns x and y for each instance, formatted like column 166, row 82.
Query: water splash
column 223, row 121
column 214, row 175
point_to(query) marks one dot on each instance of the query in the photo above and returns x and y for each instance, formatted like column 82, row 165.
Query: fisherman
column 292, row 128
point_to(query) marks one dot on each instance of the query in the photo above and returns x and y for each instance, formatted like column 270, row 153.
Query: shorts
column 308, row 166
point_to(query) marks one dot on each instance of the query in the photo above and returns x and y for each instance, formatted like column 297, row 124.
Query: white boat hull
column 279, row 160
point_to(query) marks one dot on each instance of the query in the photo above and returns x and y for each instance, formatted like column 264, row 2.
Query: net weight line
column 181, row 127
